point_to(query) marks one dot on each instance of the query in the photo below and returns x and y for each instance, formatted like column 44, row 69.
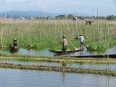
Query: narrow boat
column 97, row 56
column 68, row 51
column 13, row 48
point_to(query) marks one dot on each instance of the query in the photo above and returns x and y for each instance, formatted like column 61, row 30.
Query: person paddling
column 81, row 39
column 14, row 43
column 64, row 45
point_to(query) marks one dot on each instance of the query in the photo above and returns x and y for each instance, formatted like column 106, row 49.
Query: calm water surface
column 46, row 52
column 33, row 78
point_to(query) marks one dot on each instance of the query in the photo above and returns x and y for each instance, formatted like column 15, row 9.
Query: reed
column 48, row 33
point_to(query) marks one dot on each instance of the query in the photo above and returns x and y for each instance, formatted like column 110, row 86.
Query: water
column 34, row 78
column 75, row 65
column 37, row 78
column 46, row 52
column 85, row 52
column 33, row 52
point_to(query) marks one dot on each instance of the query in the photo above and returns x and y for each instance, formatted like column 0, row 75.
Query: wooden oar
column 86, row 46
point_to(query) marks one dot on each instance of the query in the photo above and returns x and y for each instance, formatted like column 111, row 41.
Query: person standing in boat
column 14, row 43
column 64, row 45
column 81, row 39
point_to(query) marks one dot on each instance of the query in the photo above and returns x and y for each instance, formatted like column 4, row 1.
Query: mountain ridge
column 14, row 13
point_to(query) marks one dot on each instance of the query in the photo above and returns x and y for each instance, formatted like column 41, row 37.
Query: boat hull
column 68, row 51
column 97, row 56
column 13, row 48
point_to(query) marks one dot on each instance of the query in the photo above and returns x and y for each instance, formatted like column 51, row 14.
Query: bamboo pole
column 97, row 26
column 108, row 44
column 2, row 36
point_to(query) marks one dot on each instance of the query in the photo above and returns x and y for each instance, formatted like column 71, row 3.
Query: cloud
column 12, row 1
column 55, row 4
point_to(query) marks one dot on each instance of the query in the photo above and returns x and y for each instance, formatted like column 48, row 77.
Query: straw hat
column 63, row 36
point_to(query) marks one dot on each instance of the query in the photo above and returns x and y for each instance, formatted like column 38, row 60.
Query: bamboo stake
column 97, row 26
column 2, row 37
column 108, row 44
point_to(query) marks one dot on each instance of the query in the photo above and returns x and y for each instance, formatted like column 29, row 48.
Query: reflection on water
column 34, row 78
column 24, row 51
column 46, row 52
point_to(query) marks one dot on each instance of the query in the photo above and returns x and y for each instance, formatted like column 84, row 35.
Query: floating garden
column 40, row 34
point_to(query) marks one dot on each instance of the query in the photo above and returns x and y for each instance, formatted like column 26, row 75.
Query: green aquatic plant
column 48, row 33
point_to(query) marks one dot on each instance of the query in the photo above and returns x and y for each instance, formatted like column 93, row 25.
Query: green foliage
column 48, row 33
column 93, row 47
column 111, row 17
column 112, row 42
column 102, row 46
column 98, row 46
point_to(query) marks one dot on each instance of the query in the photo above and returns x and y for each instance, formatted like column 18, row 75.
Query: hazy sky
column 105, row 7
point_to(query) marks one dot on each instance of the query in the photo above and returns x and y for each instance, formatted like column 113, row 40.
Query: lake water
column 46, row 52
column 36, row 78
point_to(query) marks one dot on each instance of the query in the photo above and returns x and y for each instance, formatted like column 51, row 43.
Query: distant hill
column 34, row 14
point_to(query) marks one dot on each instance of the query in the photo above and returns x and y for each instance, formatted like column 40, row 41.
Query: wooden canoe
column 97, row 56
column 13, row 48
column 68, row 51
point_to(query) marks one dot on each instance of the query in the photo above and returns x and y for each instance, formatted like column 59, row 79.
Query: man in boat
column 81, row 39
column 14, row 43
column 64, row 45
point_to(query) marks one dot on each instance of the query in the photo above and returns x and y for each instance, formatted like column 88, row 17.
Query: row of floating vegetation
column 63, row 59
column 58, row 69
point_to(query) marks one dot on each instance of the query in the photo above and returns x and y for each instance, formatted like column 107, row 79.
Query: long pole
column 108, row 44
column 97, row 26
column 2, row 37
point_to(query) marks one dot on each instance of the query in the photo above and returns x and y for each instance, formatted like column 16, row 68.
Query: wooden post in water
column 108, row 44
